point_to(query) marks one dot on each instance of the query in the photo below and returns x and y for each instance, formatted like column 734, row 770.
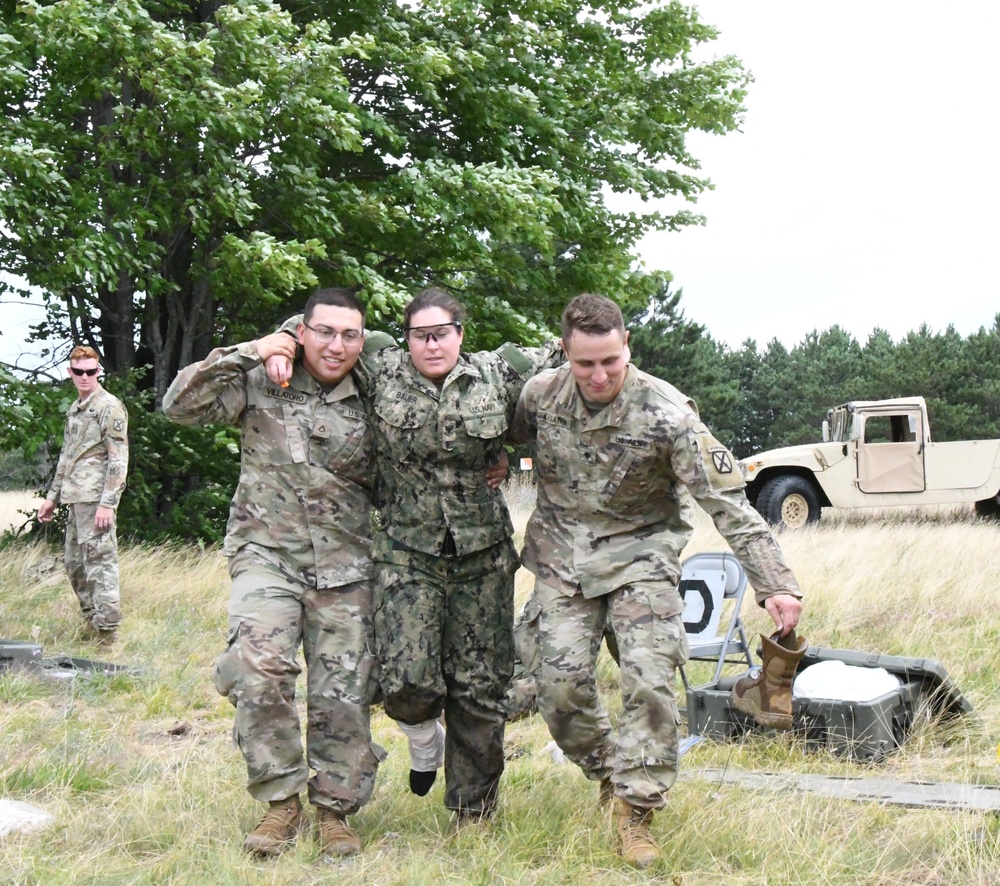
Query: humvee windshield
column 840, row 421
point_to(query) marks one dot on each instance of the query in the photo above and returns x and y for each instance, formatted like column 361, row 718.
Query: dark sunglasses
column 76, row 371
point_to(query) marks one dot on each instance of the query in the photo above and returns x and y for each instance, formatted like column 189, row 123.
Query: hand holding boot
column 767, row 697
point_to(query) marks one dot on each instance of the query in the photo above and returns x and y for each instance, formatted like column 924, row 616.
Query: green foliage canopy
column 176, row 175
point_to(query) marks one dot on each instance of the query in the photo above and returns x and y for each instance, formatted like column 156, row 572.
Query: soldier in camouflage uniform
column 445, row 561
column 298, row 545
column 89, row 479
column 619, row 456
column 444, row 555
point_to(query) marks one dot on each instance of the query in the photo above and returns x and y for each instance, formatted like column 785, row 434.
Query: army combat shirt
column 94, row 457
column 615, row 489
column 303, row 501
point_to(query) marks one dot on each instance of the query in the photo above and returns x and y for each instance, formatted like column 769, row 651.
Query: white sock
column 426, row 745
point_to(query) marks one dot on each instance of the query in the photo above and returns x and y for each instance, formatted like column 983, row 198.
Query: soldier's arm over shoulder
column 376, row 354
column 291, row 325
column 214, row 389
column 376, row 340
column 526, row 362
column 524, row 427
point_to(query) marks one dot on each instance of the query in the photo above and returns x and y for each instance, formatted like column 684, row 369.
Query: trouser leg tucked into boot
column 335, row 836
column 767, row 697
column 277, row 829
column 634, row 841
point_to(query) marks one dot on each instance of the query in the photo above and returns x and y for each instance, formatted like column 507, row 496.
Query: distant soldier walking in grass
column 89, row 479
column 619, row 456
column 298, row 544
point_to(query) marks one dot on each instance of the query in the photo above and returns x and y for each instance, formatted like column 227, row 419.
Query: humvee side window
column 838, row 432
column 890, row 428
column 878, row 429
column 904, row 428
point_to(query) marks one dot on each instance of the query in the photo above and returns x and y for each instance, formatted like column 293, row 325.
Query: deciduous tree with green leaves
column 176, row 175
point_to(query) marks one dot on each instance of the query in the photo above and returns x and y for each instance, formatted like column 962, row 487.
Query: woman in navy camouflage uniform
column 445, row 561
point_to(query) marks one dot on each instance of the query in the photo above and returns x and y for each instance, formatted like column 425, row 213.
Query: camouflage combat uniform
column 445, row 560
column 612, row 516
column 298, row 545
column 91, row 474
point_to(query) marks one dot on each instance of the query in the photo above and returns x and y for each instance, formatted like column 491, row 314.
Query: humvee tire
column 989, row 507
column 789, row 501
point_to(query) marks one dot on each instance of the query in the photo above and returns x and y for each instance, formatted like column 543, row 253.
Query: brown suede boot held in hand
column 767, row 697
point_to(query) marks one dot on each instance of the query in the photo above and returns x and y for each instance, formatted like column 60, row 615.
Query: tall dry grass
column 147, row 788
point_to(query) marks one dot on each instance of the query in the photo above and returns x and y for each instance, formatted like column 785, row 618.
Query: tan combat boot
column 277, row 829
column 104, row 637
column 335, row 837
column 634, row 842
column 767, row 697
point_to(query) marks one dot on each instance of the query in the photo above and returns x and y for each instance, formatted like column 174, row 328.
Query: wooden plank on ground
column 934, row 794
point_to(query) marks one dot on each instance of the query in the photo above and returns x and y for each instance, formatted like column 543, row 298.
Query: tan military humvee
column 875, row 453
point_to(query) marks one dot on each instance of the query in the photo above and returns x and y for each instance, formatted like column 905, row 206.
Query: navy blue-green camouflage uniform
column 445, row 559
column 613, row 513
column 298, row 545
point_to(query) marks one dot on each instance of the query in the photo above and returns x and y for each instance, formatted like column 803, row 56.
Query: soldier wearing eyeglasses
column 445, row 559
column 444, row 554
column 298, row 544
column 89, row 480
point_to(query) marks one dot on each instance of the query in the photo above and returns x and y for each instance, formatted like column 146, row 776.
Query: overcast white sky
column 864, row 189
column 16, row 316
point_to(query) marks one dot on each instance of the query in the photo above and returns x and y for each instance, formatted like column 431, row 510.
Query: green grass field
column 147, row 788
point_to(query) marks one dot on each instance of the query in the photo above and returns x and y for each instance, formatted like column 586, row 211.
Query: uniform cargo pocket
column 485, row 426
column 227, row 673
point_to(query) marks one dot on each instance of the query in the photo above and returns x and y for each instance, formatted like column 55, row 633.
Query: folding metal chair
column 707, row 581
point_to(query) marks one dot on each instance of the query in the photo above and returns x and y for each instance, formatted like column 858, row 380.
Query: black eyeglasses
column 76, row 371
column 325, row 335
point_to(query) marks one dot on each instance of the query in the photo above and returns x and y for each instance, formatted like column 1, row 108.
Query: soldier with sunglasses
column 89, row 479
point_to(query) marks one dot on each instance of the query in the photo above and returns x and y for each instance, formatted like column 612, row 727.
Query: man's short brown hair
column 593, row 315
column 337, row 297
column 83, row 352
